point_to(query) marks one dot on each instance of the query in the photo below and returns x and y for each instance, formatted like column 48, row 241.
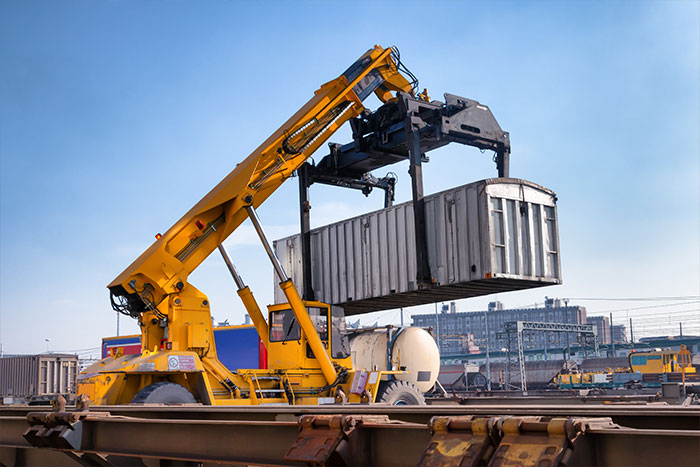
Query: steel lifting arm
column 380, row 137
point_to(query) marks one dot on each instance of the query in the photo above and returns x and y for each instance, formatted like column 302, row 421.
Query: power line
column 638, row 299
column 90, row 349
column 693, row 299
column 669, row 315
column 620, row 310
column 673, row 315
column 666, row 313
column 677, row 316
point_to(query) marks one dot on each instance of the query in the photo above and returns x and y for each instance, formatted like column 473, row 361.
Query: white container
column 600, row 378
column 31, row 376
column 491, row 236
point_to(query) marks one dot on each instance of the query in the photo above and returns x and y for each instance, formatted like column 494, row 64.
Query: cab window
column 340, row 348
column 284, row 326
column 319, row 318
column 639, row 360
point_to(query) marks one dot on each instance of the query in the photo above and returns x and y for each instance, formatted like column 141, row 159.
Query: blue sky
column 116, row 117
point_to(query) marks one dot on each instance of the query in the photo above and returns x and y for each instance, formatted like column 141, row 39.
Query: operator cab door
column 329, row 319
column 289, row 347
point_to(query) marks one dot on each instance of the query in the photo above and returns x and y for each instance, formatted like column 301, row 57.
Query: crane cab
column 289, row 346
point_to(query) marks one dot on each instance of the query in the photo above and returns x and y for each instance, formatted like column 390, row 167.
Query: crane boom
column 308, row 356
column 164, row 267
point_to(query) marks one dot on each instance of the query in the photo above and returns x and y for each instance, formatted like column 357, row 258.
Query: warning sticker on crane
column 181, row 363
column 373, row 376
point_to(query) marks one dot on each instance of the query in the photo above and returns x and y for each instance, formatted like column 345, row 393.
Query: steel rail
column 647, row 416
column 388, row 443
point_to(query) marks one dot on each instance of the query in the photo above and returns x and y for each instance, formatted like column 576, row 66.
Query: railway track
column 601, row 434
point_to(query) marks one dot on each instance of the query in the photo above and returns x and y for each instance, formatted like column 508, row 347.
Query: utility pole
column 488, row 361
column 401, row 316
column 631, row 333
column 680, row 325
column 612, row 336
column 437, row 327
column 521, row 359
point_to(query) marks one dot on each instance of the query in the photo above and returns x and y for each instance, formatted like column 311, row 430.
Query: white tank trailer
column 411, row 349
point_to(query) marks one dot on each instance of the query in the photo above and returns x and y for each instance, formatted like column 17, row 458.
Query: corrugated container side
column 38, row 375
column 491, row 236
column 19, row 376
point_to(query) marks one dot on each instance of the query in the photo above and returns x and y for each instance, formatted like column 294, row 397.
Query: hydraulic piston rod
column 295, row 302
column 247, row 297
column 232, row 268
column 253, row 215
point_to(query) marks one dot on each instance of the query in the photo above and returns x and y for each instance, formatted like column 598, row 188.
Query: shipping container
column 491, row 236
column 236, row 346
column 121, row 345
column 38, row 376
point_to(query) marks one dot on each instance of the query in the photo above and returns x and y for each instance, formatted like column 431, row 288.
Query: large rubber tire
column 164, row 392
column 399, row 393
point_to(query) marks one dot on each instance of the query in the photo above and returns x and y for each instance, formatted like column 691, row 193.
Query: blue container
column 237, row 346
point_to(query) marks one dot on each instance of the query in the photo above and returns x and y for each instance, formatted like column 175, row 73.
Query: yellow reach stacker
column 308, row 354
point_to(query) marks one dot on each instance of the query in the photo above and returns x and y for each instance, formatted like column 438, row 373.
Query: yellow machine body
column 661, row 361
column 294, row 374
column 176, row 327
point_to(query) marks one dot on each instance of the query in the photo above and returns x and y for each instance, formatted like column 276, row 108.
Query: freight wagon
column 454, row 377
column 37, row 378
column 604, row 364
column 539, row 375
column 587, row 380
column 236, row 346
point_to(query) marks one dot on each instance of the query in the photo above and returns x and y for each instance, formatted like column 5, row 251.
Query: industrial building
column 451, row 326
column 608, row 334
column 602, row 326
column 619, row 333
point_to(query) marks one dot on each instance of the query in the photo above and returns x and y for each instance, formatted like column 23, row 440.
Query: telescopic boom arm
column 162, row 270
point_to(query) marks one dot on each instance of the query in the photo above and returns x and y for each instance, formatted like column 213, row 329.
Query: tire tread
column 388, row 389
column 143, row 395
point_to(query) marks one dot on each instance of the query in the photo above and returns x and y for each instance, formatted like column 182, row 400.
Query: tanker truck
column 411, row 350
